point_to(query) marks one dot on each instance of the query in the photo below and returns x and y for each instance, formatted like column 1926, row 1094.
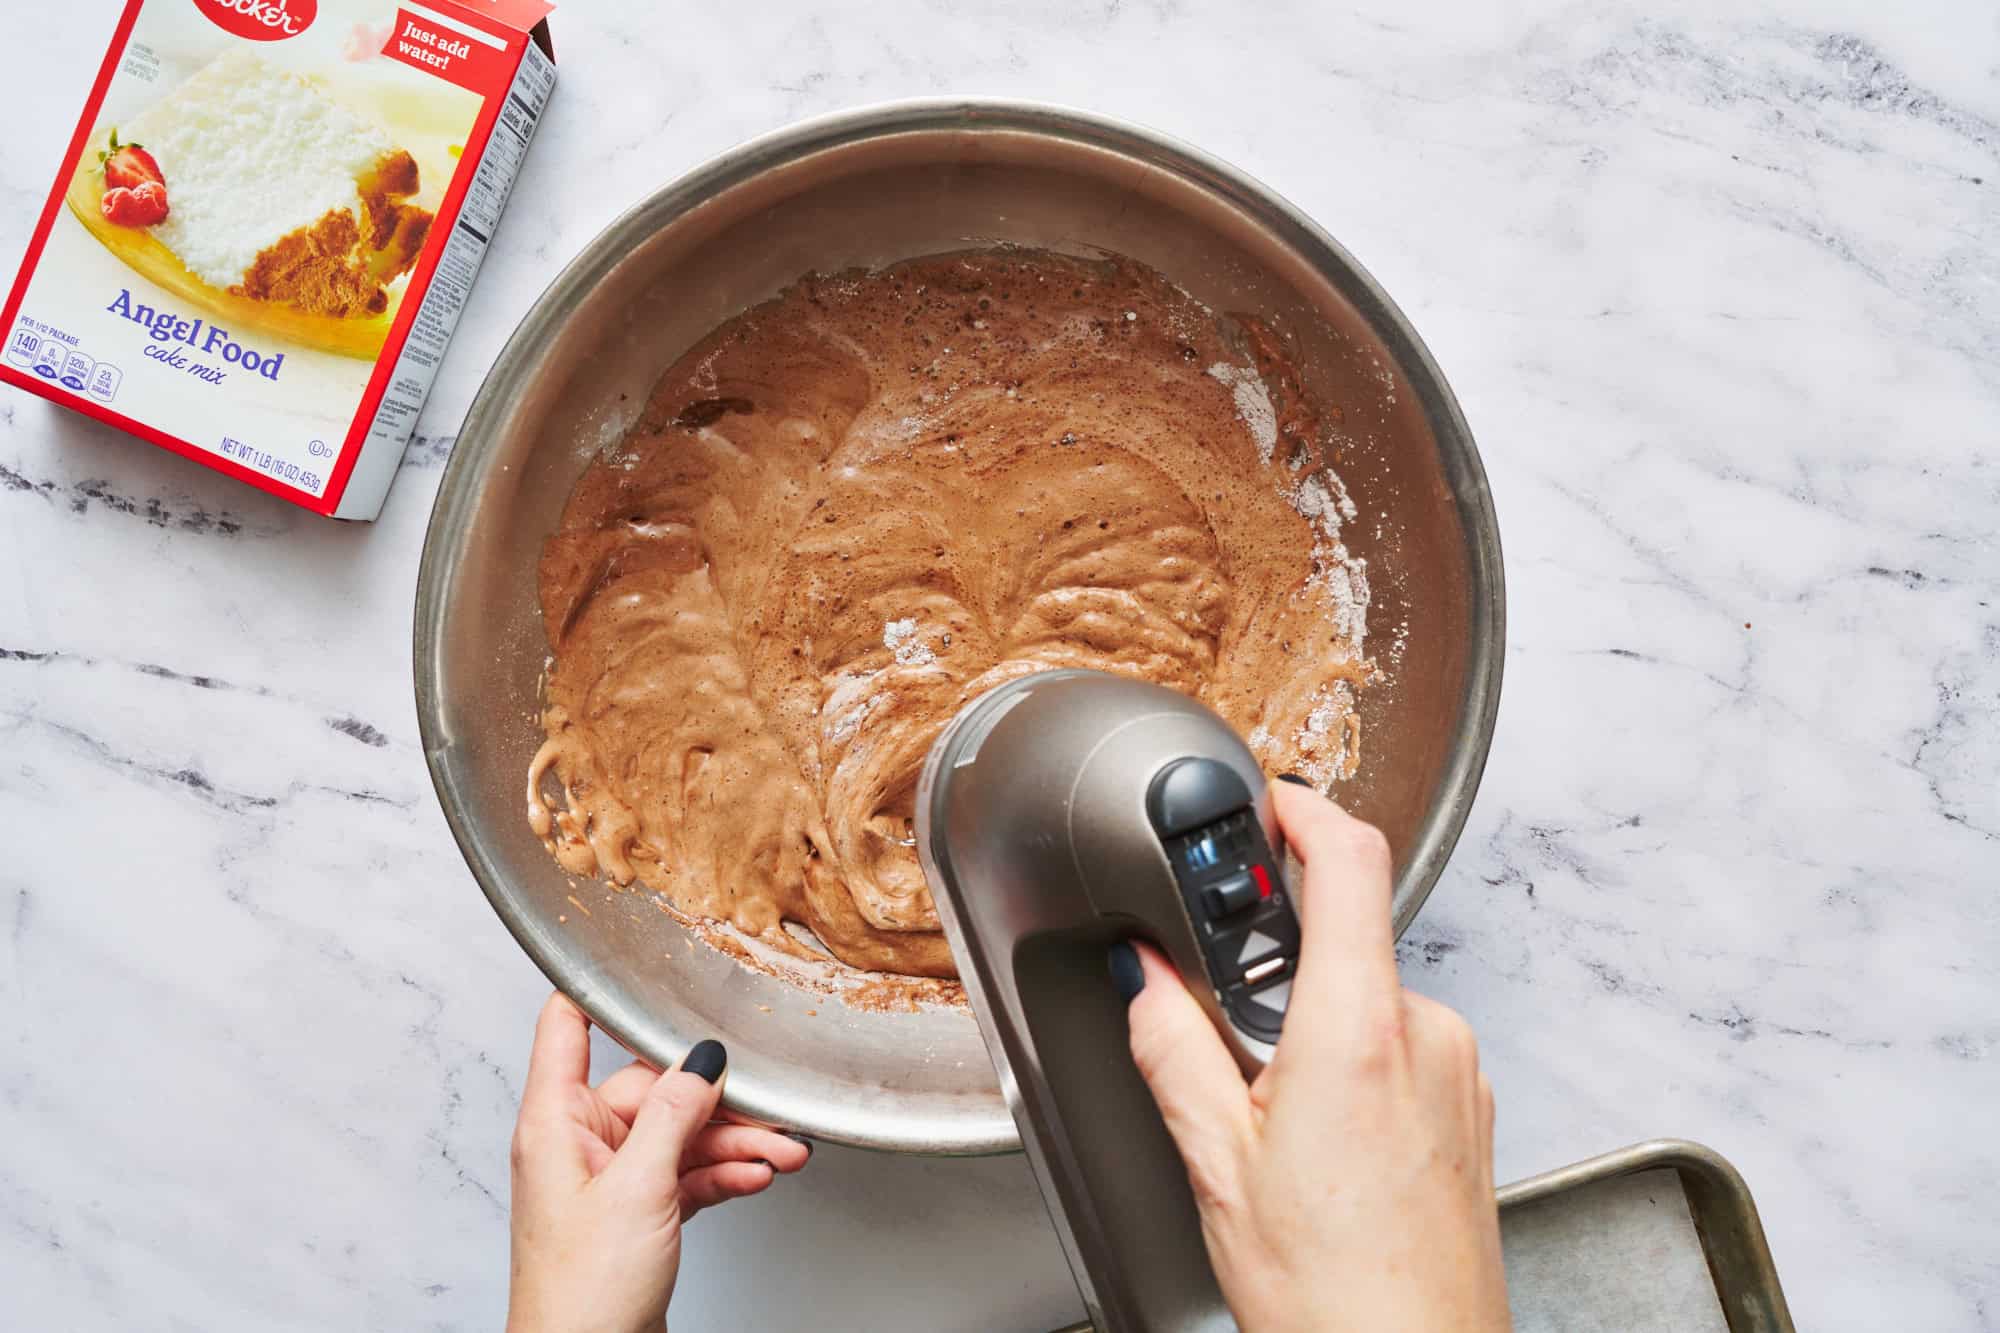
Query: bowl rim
column 500, row 392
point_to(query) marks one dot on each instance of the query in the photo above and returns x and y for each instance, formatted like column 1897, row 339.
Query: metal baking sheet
column 1661, row 1237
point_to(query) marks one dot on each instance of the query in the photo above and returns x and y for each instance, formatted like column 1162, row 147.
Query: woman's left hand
column 604, row 1177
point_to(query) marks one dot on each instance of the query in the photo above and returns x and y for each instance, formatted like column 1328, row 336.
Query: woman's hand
column 1351, row 1185
column 604, row 1177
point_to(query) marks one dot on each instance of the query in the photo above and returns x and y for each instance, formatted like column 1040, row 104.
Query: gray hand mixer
column 1059, row 813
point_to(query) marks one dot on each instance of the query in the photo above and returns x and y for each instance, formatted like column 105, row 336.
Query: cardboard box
column 267, row 223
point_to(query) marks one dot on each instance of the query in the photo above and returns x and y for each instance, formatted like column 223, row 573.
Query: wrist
column 523, row 1318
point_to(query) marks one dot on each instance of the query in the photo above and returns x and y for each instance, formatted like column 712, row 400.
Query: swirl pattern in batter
column 852, row 509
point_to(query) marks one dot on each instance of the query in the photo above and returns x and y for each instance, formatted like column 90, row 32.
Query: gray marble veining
column 1719, row 287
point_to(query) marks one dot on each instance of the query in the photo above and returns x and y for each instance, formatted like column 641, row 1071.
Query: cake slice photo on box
column 251, row 191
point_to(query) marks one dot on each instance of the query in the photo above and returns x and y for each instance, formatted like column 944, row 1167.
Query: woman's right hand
column 1351, row 1185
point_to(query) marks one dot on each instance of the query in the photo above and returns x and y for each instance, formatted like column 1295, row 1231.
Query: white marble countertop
column 1720, row 294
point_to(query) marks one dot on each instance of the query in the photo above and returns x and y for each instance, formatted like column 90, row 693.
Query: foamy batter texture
column 851, row 510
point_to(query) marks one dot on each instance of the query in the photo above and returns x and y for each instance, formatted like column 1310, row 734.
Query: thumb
column 1200, row 1091
column 675, row 1108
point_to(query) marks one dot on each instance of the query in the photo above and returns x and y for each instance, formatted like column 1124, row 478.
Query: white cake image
column 278, row 192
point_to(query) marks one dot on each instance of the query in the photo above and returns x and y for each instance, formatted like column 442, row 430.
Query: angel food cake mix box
column 270, row 217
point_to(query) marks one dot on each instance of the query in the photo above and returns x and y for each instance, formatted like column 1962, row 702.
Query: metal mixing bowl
column 868, row 188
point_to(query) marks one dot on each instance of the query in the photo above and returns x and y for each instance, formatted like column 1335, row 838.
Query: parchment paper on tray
column 1617, row 1254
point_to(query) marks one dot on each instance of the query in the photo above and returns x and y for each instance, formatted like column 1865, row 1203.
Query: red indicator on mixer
column 1263, row 878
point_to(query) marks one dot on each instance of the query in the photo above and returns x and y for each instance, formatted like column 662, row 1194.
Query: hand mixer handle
column 1061, row 812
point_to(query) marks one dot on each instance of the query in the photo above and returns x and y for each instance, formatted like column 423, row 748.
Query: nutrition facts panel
column 519, row 111
column 451, row 283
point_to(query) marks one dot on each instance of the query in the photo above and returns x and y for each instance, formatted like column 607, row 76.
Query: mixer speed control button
column 1230, row 896
column 1240, row 947
column 1261, row 1013
column 1274, row 998
column 1256, row 945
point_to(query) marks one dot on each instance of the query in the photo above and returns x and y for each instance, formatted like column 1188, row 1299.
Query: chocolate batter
column 850, row 510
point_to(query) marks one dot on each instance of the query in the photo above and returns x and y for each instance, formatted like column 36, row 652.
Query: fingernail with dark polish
column 1295, row 779
column 804, row 1141
column 707, row 1060
column 1126, row 974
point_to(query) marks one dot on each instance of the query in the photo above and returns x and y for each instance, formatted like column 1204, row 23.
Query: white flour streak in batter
column 900, row 638
column 1253, row 405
